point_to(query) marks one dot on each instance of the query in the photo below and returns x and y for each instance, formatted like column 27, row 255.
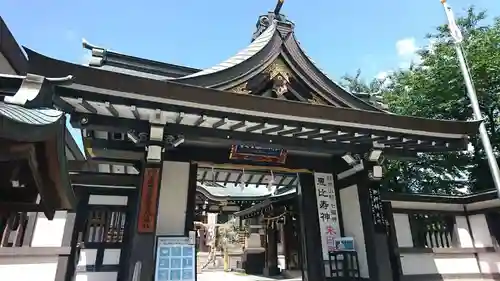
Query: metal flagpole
column 471, row 92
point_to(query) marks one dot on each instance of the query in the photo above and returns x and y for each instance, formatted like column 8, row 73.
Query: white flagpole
column 471, row 92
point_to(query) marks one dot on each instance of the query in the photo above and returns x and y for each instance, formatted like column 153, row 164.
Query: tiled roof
column 30, row 116
column 256, row 46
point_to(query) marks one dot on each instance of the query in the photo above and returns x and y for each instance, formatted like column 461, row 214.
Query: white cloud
column 432, row 45
column 382, row 75
column 406, row 50
column 406, row 47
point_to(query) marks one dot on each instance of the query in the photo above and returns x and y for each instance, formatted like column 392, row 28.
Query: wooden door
column 103, row 230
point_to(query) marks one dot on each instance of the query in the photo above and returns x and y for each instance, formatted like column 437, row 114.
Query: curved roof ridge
column 95, row 49
column 329, row 76
column 256, row 46
column 114, row 61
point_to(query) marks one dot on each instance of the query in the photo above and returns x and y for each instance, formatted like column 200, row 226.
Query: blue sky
column 341, row 36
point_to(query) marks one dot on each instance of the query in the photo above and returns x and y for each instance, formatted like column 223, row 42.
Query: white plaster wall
column 415, row 264
column 173, row 197
column 489, row 262
column 427, row 206
column 353, row 226
column 403, row 230
column 463, row 233
column 96, row 276
column 49, row 233
column 40, row 268
column 480, row 231
column 88, row 257
column 430, row 263
column 483, row 204
column 111, row 200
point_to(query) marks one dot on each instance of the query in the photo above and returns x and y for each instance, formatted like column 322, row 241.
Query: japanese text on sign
column 327, row 211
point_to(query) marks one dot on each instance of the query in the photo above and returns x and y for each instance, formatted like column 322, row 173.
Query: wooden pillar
column 144, row 231
column 375, row 235
column 313, row 268
column 66, row 264
column 191, row 198
column 287, row 241
column 271, row 268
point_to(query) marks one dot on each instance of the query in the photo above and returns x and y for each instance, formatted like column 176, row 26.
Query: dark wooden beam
column 103, row 123
column 360, row 143
column 250, row 179
column 104, row 179
column 92, row 165
column 186, row 153
column 443, row 199
column 261, row 179
column 124, row 145
column 226, row 180
column 282, row 180
column 20, row 207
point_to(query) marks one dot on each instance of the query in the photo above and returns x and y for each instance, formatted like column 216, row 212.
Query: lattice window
column 432, row 230
column 12, row 229
column 105, row 226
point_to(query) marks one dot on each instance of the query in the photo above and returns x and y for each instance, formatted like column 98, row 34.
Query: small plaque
column 149, row 197
column 344, row 244
column 258, row 154
column 175, row 259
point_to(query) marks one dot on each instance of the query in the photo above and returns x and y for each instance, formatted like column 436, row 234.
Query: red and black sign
column 149, row 198
column 258, row 154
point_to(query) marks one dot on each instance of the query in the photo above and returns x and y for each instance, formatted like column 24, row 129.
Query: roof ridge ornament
column 265, row 21
column 96, row 50
column 35, row 90
column 277, row 9
column 98, row 53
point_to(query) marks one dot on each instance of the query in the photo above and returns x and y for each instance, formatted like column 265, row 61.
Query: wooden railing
column 13, row 228
column 105, row 226
column 432, row 230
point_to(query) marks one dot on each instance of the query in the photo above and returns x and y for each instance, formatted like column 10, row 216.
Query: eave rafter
column 244, row 118
column 222, row 177
column 242, row 128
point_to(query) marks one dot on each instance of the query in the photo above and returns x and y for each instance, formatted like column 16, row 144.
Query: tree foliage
column 434, row 88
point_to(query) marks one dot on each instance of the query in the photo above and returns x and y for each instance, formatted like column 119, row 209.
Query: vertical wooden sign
column 149, row 197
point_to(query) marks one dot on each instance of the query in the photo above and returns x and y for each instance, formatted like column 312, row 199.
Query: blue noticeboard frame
column 175, row 259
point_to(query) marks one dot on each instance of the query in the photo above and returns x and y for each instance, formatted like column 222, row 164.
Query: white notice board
column 175, row 259
column 327, row 212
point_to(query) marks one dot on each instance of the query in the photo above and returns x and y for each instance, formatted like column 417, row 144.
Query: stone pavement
column 233, row 276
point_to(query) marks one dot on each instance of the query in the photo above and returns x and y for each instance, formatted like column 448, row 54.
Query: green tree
column 435, row 88
column 370, row 92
